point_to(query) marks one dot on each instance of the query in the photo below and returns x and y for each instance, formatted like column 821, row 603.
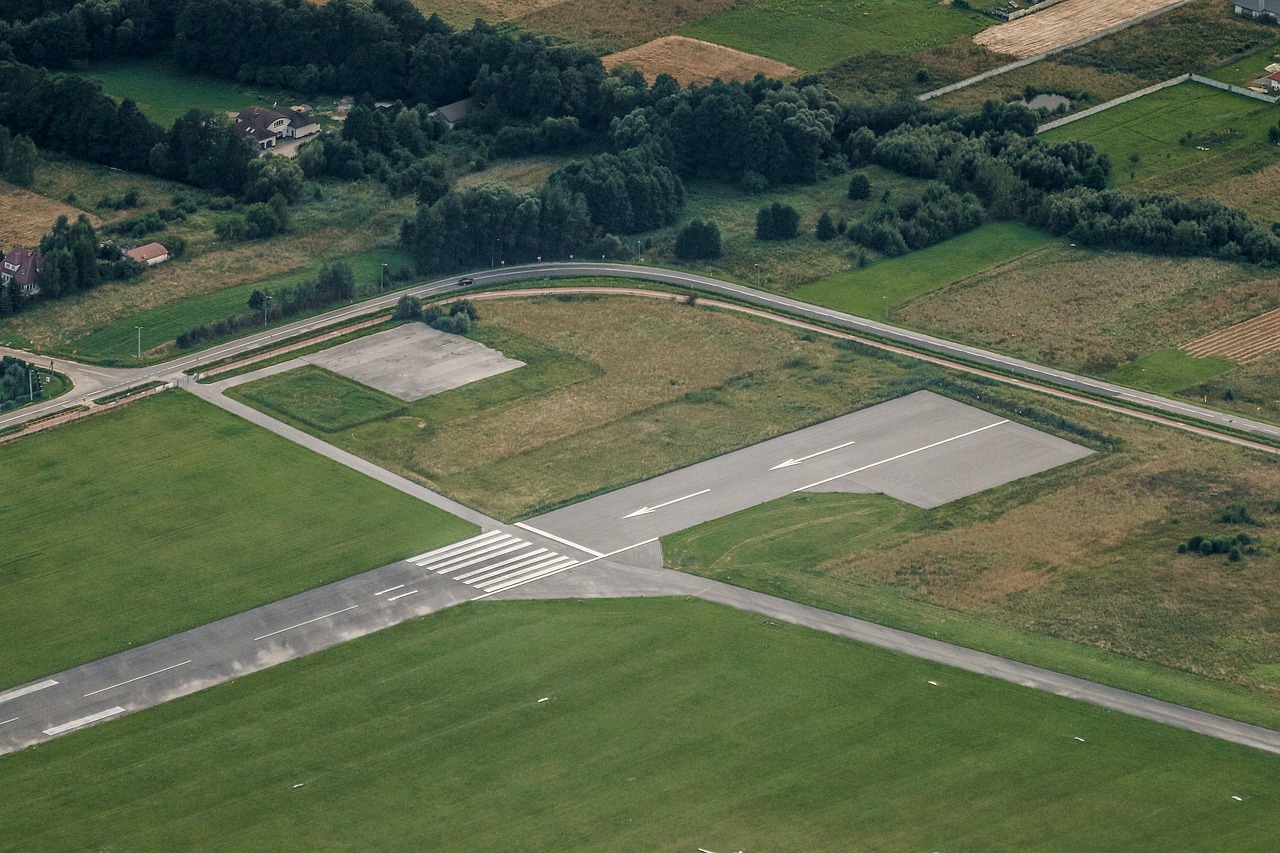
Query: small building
column 1259, row 10
column 21, row 268
column 265, row 125
column 457, row 111
column 150, row 254
column 1271, row 82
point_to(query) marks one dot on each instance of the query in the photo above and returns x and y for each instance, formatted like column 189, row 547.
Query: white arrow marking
column 791, row 462
column 645, row 510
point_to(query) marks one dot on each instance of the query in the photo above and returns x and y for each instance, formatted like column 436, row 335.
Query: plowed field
column 1062, row 24
column 1243, row 342
column 696, row 62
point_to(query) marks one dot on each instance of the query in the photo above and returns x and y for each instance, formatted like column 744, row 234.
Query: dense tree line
column 916, row 223
column 1158, row 223
column 72, row 115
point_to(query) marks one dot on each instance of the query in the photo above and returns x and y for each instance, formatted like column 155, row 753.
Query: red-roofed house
column 21, row 268
column 150, row 254
column 1271, row 82
column 264, row 126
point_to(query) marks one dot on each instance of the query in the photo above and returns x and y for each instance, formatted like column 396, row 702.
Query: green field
column 163, row 92
column 1243, row 70
column 879, row 289
column 1228, row 137
column 1169, row 371
column 118, row 342
column 813, row 34
column 667, row 725
column 169, row 513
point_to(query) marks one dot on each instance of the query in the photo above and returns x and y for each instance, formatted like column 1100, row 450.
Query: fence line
column 1172, row 81
column 977, row 78
column 1114, row 102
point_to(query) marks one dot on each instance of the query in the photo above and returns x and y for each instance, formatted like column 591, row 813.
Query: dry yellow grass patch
column 695, row 62
column 25, row 216
column 528, row 173
column 1062, row 24
column 1243, row 342
column 619, row 24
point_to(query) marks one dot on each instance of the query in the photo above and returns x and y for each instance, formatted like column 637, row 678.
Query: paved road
column 296, row 626
column 173, row 370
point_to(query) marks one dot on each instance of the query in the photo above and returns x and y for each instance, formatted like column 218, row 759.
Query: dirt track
column 1062, row 24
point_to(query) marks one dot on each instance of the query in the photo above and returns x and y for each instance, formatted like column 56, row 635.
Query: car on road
column 463, row 282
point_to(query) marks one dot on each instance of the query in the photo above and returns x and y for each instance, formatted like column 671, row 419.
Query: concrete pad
column 413, row 361
column 923, row 448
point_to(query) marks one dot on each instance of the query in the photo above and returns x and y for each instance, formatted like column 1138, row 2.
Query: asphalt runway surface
column 924, row 449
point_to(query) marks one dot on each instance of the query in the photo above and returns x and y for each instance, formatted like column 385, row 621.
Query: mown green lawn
column 169, row 513
column 876, row 290
column 1144, row 138
column 163, row 92
column 1169, row 371
column 118, row 342
column 667, row 725
column 814, row 34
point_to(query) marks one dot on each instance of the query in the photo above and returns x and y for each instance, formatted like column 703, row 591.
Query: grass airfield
column 666, row 725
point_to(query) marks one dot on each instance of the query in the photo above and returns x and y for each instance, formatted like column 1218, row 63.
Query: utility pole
column 139, row 328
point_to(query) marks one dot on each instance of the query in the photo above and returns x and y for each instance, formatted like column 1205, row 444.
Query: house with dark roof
column 1265, row 10
column 21, row 269
column 455, row 112
column 265, row 125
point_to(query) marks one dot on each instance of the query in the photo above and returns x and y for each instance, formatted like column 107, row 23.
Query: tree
column 778, row 221
column 826, row 229
column 408, row 308
column 257, row 300
column 699, row 241
column 859, row 187
column 21, row 165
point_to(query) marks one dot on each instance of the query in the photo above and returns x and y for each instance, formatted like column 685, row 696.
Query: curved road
column 108, row 380
column 616, row 579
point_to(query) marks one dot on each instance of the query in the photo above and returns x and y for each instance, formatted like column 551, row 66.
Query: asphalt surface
column 296, row 626
column 922, row 448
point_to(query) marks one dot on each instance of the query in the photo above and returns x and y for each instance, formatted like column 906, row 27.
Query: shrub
column 1237, row 513
column 408, row 308
column 778, row 221
column 699, row 241
column 859, row 187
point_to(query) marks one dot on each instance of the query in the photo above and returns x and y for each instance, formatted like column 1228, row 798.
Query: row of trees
column 17, row 158
column 914, row 224
column 18, row 382
column 335, row 284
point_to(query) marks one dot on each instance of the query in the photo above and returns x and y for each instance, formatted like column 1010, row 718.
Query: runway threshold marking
column 23, row 691
column 789, row 462
column 645, row 510
column 308, row 622
column 84, row 721
column 555, row 538
column 138, row 678
column 902, row 455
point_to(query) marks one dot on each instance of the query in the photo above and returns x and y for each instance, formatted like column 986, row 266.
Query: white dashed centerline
column 84, row 721
column 390, row 589
column 401, row 595
column 902, row 455
column 138, row 678
column 308, row 622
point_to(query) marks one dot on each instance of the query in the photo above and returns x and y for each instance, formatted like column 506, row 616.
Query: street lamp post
column 266, row 301
column 139, row 328
column 31, row 394
column 637, row 250
column 382, row 281
column 757, row 276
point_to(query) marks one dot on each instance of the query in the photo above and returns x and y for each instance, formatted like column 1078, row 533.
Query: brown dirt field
column 620, row 24
column 1062, row 24
column 28, row 216
column 1243, row 342
column 696, row 62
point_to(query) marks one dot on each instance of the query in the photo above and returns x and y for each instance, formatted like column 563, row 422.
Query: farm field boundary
column 1243, row 342
column 1003, row 69
column 1172, row 81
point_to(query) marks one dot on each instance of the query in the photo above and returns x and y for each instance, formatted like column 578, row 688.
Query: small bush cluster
column 458, row 320
column 1233, row 546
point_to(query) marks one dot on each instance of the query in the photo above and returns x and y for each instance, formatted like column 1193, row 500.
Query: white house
column 264, row 126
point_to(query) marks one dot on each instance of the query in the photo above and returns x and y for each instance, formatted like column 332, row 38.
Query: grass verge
column 111, row 523
column 879, row 289
column 668, row 725
column 1169, row 371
